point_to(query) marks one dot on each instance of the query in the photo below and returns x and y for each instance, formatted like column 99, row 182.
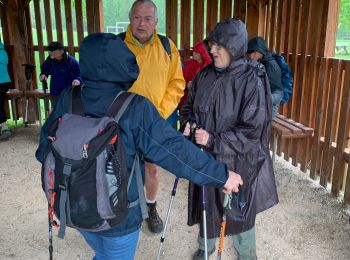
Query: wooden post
column 256, row 18
column 171, row 20
column 331, row 28
column 17, row 36
column 94, row 15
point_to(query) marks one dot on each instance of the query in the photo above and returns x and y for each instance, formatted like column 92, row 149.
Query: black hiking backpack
column 85, row 176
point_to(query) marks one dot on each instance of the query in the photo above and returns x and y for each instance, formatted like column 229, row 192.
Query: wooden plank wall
column 321, row 89
column 68, row 17
column 193, row 12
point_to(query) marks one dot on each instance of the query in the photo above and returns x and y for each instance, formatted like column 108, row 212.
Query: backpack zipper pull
column 85, row 154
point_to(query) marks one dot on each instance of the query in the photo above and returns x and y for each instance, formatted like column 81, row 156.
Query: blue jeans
column 276, row 100
column 110, row 248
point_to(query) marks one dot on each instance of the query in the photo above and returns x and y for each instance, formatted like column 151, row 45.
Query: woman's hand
column 202, row 137
column 233, row 182
column 187, row 130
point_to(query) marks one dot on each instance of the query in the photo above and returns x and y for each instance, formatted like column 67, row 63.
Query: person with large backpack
column 258, row 51
column 91, row 161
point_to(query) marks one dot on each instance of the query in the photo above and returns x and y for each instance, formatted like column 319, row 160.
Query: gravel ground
column 308, row 223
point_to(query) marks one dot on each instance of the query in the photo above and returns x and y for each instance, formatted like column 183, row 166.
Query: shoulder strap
column 119, row 105
column 164, row 40
column 76, row 104
column 122, row 35
column 166, row 44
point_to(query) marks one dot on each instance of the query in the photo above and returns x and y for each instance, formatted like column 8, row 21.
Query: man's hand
column 232, row 183
column 202, row 137
column 187, row 129
column 43, row 77
column 75, row 82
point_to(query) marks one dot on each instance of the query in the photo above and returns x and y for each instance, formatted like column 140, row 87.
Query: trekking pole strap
column 140, row 188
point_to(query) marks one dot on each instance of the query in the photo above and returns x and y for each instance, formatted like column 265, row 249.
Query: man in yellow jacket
column 160, row 80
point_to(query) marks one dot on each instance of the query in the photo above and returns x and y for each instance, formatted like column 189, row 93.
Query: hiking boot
column 199, row 254
column 5, row 133
column 155, row 223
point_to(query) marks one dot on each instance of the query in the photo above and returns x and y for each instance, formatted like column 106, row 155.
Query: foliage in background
column 344, row 20
column 118, row 11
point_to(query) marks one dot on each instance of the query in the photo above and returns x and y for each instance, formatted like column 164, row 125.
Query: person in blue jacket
column 108, row 67
column 5, row 82
column 63, row 68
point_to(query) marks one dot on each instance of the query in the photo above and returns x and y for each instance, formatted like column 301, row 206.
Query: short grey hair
column 144, row 2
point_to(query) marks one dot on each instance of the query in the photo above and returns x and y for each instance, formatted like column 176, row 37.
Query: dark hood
column 106, row 61
column 258, row 44
column 232, row 34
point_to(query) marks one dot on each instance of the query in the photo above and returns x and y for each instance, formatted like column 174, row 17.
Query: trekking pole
column 173, row 192
column 204, row 215
column 226, row 205
column 46, row 99
column 50, row 238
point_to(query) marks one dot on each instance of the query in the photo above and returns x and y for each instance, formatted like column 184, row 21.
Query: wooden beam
column 16, row 33
column 171, row 20
column 94, row 15
column 69, row 26
column 332, row 27
column 185, row 27
column 48, row 24
column 58, row 18
column 198, row 21
column 255, row 19
column 79, row 20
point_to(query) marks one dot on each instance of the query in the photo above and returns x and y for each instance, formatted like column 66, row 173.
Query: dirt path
column 306, row 224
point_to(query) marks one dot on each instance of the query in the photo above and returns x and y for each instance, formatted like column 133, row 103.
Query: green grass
column 342, row 55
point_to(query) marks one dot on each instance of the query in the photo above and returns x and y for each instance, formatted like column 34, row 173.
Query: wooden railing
column 321, row 100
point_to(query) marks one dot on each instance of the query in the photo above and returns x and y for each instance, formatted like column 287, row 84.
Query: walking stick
column 50, row 238
column 226, row 205
column 204, row 215
column 173, row 192
column 28, row 72
column 46, row 99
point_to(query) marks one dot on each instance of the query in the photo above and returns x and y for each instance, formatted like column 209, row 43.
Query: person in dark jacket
column 230, row 103
column 63, row 68
column 108, row 67
column 258, row 51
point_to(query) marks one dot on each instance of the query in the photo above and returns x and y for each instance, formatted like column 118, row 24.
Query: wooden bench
column 286, row 128
column 14, row 95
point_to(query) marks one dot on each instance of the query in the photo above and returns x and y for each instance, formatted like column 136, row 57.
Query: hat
column 53, row 46
column 257, row 44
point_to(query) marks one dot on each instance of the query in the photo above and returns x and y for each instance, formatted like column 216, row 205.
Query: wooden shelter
column 303, row 30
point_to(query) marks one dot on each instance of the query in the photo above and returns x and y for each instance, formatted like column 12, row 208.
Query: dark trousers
column 3, row 89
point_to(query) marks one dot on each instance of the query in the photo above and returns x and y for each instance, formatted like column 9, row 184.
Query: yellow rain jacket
column 160, row 79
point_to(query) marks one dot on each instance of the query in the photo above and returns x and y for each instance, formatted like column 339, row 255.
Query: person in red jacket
column 201, row 58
